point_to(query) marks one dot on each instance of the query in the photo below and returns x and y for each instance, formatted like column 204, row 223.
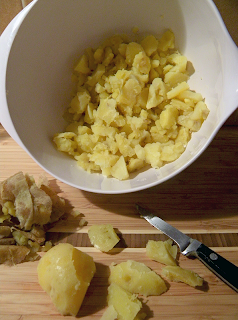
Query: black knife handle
column 224, row 269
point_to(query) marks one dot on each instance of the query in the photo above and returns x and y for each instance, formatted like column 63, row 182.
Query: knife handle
column 224, row 269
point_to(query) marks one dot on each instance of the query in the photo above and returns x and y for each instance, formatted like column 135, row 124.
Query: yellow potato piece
column 107, row 110
column 103, row 237
column 135, row 164
column 157, row 93
column 178, row 274
column 136, row 277
column 166, row 41
column 82, row 65
column 200, row 111
column 152, row 154
column 109, row 314
column 181, row 87
column 142, row 63
column 119, row 170
column 97, row 74
column 172, row 78
column 124, row 145
column 195, row 96
column 65, row 274
column 132, row 50
column 125, row 303
column 168, row 117
column 162, row 251
column 129, row 92
column 80, row 102
column 150, row 44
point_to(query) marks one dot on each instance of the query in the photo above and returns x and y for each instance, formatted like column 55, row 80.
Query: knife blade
column 224, row 269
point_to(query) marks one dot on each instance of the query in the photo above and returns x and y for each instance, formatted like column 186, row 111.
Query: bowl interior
column 50, row 40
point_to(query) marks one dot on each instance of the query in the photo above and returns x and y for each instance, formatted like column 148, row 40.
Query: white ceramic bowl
column 40, row 46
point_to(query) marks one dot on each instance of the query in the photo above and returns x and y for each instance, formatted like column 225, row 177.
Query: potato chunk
column 157, row 93
column 178, row 274
column 168, row 117
column 132, row 50
column 65, row 274
column 82, row 65
column 150, row 44
column 142, row 63
column 166, row 41
column 109, row 314
column 125, row 303
column 103, row 237
column 162, row 251
column 136, row 277
column 119, row 170
column 107, row 110
column 181, row 87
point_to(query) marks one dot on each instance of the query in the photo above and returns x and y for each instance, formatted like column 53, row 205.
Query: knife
column 224, row 269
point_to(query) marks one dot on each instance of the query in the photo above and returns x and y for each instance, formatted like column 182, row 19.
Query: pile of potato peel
column 27, row 211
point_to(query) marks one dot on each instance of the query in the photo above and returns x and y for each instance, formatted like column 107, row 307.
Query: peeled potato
column 178, row 274
column 125, row 303
column 136, row 277
column 103, row 236
column 162, row 251
column 65, row 273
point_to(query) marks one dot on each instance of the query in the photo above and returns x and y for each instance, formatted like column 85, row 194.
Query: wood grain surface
column 201, row 201
column 213, row 301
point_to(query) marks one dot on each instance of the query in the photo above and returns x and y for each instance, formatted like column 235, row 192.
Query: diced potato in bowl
column 131, row 106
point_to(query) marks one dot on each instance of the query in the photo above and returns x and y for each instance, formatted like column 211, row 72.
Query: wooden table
column 202, row 201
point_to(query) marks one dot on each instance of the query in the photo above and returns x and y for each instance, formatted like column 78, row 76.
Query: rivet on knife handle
column 224, row 269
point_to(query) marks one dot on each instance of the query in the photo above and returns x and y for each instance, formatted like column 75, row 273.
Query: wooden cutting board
column 202, row 201
column 22, row 297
